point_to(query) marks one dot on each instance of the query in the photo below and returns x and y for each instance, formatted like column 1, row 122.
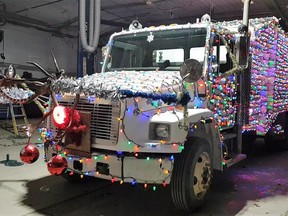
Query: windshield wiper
column 164, row 64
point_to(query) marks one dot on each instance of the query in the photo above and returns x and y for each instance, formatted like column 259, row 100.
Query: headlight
column 161, row 131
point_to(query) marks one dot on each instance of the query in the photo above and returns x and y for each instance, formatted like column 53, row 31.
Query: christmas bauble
column 29, row 154
column 57, row 164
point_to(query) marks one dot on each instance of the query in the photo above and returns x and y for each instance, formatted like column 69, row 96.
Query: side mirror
column 191, row 70
column 242, row 50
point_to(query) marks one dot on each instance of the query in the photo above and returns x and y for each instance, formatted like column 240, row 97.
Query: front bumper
column 148, row 168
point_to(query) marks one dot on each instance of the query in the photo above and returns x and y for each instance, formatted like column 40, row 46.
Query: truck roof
column 233, row 25
column 161, row 28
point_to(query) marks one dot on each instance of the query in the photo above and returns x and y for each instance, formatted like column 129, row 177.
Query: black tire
column 192, row 170
column 278, row 142
column 248, row 142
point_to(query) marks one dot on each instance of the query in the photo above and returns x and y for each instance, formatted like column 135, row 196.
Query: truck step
column 235, row 159
column 19, row 115
column 228, row 136
column 21, row 125
column 16, row 106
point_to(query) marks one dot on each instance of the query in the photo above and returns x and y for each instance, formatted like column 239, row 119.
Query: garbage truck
column 171, row 105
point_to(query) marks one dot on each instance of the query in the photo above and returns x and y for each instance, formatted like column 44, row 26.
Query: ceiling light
column 148, row 2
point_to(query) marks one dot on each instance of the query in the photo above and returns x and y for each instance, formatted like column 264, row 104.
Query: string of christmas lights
column 269, row 72
column 223, row 95
column 14, row 93
column 269, row 82
column 120, row 179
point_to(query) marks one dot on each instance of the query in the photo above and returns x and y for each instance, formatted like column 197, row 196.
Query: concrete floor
column 256, row 186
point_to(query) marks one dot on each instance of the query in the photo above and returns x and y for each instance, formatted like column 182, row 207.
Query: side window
column 225, row 62
column 197, row 53
column 125, row 56
column 221, row 56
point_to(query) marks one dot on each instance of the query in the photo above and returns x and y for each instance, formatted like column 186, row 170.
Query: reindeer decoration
column 9, row 89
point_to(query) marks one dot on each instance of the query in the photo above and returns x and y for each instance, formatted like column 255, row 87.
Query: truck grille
column 104, row 120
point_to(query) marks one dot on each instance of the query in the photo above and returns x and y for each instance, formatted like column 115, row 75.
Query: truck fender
column 202, row 125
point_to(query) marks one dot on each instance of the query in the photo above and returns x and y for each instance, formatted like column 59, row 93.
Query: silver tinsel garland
column 13, row 94
column 3, row 100
column 109, row 85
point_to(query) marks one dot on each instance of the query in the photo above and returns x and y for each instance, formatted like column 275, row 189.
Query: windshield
column 166, row 49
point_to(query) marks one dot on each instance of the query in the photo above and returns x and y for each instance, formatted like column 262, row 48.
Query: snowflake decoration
column 150, row 37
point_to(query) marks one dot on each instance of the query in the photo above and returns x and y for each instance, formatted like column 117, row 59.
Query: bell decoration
column 29, row 154
column 57, row 164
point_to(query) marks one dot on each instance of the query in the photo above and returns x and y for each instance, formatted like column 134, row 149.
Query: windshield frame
column 155, row 29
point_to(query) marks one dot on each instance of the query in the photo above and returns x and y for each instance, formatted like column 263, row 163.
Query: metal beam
column 38, row 6
column 113, row 23
column 128, row 5
column 275, row 8
column 103, row 22
column 24, row 19
column 67, row 23
column 217, row 16
column 41, row 28
column 277, row 11
column 34, row 23
column 246, row 7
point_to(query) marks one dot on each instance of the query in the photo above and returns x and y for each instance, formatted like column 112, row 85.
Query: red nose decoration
column 62, row 117
column 29, row 154
column 57, row 164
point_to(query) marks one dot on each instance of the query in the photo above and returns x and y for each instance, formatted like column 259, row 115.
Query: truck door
column 223, row 89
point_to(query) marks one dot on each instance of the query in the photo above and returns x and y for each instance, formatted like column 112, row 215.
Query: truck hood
column 156, row 85
column 108, row 83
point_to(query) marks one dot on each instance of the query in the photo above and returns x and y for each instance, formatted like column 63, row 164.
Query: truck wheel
column 192, row 175
column 278, row 142
column 248, row 142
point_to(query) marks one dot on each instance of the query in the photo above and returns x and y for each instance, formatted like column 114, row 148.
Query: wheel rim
column 202, row 175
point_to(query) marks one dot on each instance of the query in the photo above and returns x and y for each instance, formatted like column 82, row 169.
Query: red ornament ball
column 29, row 154
column 57, row 164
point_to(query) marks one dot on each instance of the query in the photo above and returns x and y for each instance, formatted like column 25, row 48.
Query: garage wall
column 27, row 44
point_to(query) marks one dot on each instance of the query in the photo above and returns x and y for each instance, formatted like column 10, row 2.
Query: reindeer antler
column 41, row 69
column 9, row 89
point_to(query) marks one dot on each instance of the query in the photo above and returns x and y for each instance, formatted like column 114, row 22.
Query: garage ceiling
column 61, row 16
